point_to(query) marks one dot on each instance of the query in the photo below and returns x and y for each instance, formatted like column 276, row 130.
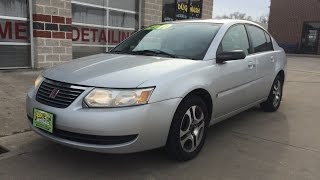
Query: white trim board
column 103, row 7
column 14, row 18
column 103, row 26
column 15, row 43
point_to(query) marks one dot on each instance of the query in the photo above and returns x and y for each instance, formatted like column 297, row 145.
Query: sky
column 254, row 8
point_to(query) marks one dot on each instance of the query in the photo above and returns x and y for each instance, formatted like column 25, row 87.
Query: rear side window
column 235, row 39
column 258, row 38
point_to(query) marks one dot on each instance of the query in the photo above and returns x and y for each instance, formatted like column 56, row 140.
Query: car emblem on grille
column 54, row 93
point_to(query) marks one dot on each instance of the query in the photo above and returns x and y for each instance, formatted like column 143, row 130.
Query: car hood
column 117, row 71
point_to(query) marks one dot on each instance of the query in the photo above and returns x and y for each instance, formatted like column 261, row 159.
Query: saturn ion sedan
column 162, row 87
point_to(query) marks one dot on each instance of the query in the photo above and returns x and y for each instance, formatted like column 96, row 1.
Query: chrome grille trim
column 65, row 97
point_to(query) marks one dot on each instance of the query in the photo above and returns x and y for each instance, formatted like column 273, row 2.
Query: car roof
column 218, row 21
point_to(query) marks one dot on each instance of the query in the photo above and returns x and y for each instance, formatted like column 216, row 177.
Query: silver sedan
column 162, row 87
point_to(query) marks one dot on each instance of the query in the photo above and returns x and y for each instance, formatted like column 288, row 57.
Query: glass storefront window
column 168, row 11
column 16, row 8
column 123, row 19
column 195, row 9
column 131, row 5
column 181, row 9
column 82, row 51
column 100, row 25
column 14, row 56
column 310, row 38
column 14, row 34
column 88, row 15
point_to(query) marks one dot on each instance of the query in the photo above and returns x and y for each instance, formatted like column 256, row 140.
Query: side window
column 269, row 42
column 236, row 38
column 258, row 38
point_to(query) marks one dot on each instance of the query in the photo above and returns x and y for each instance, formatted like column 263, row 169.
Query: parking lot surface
column 251, row 145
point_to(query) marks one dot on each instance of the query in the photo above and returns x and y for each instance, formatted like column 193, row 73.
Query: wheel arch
column 282, row 75
column 205, row 96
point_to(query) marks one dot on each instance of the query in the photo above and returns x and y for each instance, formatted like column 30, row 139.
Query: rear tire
column 188, row 129
column 275, row 96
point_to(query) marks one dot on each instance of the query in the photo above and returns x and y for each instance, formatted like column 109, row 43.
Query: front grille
column 90, row 139
column 65, row 96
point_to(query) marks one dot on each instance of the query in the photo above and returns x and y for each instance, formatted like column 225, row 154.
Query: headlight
column 38, row 81
column 118, row 98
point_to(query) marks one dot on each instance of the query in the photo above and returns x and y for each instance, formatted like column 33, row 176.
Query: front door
column 310, row 38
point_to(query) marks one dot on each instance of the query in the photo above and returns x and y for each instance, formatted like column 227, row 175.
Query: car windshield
column 177, row 40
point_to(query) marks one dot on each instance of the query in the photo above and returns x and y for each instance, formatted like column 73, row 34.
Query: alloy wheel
column 277, row 92
column 192, row 129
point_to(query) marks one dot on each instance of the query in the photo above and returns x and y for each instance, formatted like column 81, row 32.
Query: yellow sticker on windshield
column 159, row 27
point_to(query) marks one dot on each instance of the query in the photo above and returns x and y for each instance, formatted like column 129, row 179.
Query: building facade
column 43, row 33
column 295, row 24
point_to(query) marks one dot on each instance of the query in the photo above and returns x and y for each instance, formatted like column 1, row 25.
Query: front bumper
column 149, row 124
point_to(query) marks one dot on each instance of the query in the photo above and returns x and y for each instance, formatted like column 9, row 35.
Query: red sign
column 14, row 31
column 89, row 35
column 18, row 31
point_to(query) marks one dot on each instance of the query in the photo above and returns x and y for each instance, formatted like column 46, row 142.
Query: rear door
column 236, row 78
column 262, row 49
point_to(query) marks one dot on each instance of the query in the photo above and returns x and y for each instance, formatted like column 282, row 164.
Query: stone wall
column 151, row 12
column 52, row 32
column 207, row 9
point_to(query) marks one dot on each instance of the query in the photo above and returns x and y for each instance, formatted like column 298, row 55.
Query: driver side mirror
column 230, row 56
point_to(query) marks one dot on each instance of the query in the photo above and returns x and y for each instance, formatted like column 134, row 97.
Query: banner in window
column 98, row 36
column 14, row 31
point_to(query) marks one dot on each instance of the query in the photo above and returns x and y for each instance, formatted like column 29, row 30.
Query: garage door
column 14, row 34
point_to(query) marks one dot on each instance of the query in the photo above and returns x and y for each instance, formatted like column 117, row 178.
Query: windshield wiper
column 151, row 51
column 114, row 52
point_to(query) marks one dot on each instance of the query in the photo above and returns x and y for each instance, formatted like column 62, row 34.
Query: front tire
column 188, row 129
column 275, row 96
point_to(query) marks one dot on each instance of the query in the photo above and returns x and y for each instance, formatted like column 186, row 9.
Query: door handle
column 272, row 59
column 251, row 65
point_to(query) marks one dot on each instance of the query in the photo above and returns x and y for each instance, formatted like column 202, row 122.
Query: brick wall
column 151, row 12
column 319, row 42
column 287, row 18
column 207, row 9
column 52, row 32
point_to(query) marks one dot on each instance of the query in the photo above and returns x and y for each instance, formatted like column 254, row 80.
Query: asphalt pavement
column 252, row 145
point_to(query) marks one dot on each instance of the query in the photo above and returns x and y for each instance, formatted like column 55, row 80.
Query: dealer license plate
column 43, row 120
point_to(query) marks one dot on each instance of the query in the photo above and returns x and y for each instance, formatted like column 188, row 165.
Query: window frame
column 248, row 38
column 251, row 41
column 267, row 34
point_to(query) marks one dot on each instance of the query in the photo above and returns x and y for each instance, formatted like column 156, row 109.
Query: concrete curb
column 16, row 143
column 304, row 55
